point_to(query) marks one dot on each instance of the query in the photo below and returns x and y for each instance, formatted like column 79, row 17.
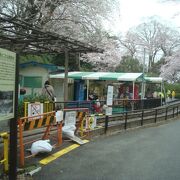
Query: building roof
column 100, row 76
column 51, row 67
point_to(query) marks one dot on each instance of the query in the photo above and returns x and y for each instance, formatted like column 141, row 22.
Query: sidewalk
column 143, row 154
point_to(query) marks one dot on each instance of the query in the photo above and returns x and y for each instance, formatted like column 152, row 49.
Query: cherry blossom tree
column 157, row 38
column 147, row 35
column 143, row 36
column 79, row 19
column 109, row 59
column 169, row 39
column 170, row 71
column 129, row 42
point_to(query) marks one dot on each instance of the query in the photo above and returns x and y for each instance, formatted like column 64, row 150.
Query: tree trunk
column 77, row 61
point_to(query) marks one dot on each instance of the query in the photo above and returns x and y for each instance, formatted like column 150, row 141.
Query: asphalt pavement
column 142, row 154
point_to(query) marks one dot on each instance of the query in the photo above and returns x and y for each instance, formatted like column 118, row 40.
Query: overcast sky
column 134, row 12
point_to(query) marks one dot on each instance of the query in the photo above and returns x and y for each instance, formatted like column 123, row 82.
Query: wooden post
column 59, row 131
column 142, row 117
column 106, row 123
column 13, row 129
column 21, row 145
column 125, row 124
column 155, row 120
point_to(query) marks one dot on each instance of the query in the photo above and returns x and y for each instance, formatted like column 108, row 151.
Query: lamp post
column 142, row 88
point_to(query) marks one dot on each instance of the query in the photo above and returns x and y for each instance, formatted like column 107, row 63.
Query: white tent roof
column 153, row 79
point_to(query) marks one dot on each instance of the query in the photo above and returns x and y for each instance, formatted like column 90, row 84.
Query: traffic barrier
column 47, row 120
column 4, row 161
column 47, row 107
column 86, row 125
column 89, row 123
column 82, row 114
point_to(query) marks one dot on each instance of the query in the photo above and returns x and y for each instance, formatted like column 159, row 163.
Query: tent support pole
column 164, row 91
column 133, row 96
column 66, row 76
column 87, row 90
column 133, row 89
column 161, row 93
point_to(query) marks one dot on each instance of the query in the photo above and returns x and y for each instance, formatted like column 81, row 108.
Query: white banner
column 109, row 100
column 70, row 118
column 59, row 116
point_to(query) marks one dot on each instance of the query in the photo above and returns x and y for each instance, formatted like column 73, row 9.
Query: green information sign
column 7, row 84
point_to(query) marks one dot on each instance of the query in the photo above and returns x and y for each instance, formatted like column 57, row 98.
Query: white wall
column 58, row 85
column 34, row 71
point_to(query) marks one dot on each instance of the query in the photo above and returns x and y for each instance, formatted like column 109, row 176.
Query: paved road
column 143, row 154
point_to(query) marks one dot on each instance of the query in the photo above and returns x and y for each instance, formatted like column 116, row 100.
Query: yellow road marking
column 60, row 153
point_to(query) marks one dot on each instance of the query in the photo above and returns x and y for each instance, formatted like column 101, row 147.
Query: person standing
column 173, row 94
column 168, row 93
column 48, row 91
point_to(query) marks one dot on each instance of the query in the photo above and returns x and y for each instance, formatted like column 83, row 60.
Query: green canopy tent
column 112, row 76
column 100, row 76
column 153, row 79
column 156, row 80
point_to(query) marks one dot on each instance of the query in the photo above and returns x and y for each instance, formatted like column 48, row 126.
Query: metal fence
column 119, row 105
column 142, row 117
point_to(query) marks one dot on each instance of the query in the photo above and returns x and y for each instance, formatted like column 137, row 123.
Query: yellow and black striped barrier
column 46, row 120
column 29, row 123
column 47, row 107
column 4, row 161
column 38, row 123
column 80, row 117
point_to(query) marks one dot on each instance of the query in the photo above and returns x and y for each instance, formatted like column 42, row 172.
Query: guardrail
column 119, row 105
column 137, row 118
